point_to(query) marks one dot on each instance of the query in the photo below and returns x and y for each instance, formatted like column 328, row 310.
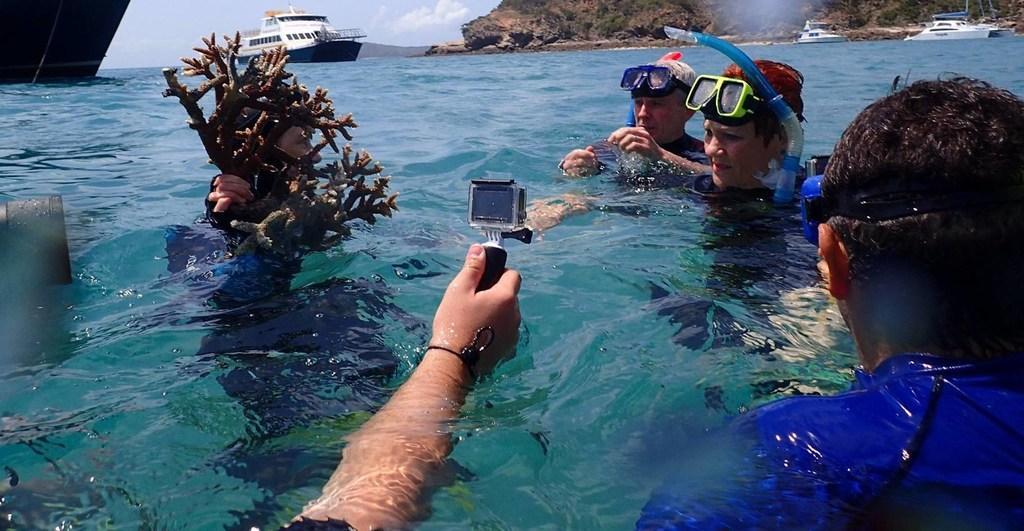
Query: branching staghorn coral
column 253, row 109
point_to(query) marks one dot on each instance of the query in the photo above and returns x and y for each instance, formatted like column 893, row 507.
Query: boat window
column 303, row 18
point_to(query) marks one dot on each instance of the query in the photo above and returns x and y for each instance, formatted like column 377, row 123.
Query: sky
column 158, row 32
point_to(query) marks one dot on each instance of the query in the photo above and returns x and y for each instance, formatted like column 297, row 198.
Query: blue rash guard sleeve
column 922, row 442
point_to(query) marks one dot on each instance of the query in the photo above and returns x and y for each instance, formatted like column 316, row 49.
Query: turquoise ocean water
column 647, row 321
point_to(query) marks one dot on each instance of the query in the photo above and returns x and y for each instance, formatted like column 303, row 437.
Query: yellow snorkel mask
column 726, row 100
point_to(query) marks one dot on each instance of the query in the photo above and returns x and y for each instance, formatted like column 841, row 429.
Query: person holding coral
column 227, row 190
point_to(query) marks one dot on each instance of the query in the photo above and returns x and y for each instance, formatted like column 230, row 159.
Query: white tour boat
column 309, row 38
column 818, row 32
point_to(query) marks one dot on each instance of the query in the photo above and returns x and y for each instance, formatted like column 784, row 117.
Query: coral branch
column 308, row 207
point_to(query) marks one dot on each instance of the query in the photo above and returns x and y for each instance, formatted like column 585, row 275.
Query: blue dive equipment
column 810, row 190
column 784, row 178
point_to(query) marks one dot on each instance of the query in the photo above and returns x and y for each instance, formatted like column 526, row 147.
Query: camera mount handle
column 496, row 257
column 496, row 254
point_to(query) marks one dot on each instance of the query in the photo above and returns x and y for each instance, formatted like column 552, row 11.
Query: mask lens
column 632, row 78
column 659, row 78
column 729, row 98
column 702, row 91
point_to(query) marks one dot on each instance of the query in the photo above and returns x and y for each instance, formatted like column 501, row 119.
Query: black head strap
column 875, row 206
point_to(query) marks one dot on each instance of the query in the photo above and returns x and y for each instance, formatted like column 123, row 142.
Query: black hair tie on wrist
column 470, row 354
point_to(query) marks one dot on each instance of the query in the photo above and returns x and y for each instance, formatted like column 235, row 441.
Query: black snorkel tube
column 784, row 177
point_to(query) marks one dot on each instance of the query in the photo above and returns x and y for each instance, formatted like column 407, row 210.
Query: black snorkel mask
column 882, row 205
column 650, row 81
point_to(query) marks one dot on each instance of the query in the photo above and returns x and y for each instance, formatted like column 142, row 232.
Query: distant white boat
column 954, row 26
column 818, row 32
column 309, row 38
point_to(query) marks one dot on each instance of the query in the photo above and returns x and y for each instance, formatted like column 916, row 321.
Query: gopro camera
column 498, row 209
column 496, row 206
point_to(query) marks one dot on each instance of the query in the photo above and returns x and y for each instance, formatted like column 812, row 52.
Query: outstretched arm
column 388, row 465
column 544, row 214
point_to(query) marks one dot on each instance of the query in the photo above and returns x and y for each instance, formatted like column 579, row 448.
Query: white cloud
column 446, row 12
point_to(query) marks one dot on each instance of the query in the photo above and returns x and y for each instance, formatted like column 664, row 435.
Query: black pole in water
column 33, row 239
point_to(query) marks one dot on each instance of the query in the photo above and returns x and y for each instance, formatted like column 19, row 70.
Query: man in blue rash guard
column 921, row 224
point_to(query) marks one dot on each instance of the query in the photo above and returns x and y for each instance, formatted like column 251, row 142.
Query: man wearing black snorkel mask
column 658, row 91
column 919, row 223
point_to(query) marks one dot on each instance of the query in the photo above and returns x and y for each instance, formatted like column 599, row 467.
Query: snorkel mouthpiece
column 786, row 175
column 682, row 35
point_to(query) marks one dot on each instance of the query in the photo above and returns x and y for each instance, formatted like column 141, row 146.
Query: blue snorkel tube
column 785, row 177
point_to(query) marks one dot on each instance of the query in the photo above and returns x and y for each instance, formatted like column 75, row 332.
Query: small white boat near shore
column 818, row 32
column 954, row 26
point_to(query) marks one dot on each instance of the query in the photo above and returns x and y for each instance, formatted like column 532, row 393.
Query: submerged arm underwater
column 391, row 464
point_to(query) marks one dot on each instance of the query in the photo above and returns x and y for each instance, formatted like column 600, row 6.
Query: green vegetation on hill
column 533, row 24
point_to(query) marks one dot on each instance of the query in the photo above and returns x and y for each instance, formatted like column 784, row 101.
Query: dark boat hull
column 325, row 52
column 56, row 38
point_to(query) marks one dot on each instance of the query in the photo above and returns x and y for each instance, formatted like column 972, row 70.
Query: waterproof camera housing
column 496, row 205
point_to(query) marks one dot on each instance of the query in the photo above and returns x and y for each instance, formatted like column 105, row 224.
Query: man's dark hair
column 948, row 280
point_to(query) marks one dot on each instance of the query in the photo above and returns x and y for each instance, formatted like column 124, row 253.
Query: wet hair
column 787, row 81
column 948, row 280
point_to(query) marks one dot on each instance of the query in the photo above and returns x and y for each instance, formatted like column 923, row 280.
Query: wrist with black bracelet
column 470, row 354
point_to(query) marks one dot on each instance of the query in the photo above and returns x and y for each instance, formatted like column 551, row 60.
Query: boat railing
column 348, row 33
column 249, row 33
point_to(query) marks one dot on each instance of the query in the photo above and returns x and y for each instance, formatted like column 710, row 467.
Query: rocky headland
column 537, row 25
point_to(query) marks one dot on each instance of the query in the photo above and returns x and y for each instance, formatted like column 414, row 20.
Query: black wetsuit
column 291, row 358
column 687, row 147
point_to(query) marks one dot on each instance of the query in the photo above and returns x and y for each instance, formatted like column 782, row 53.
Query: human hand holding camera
column 464, row 312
